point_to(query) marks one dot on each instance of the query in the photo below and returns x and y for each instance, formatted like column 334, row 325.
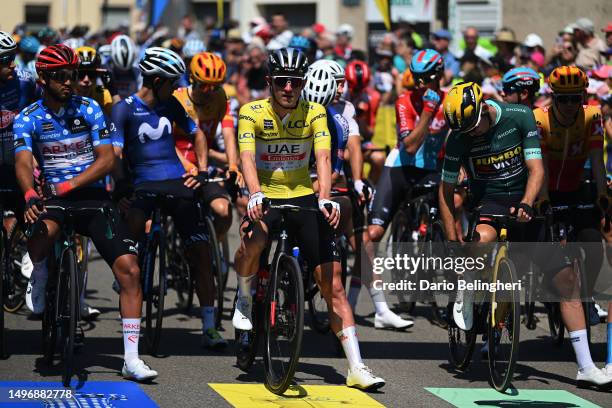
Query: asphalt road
column 410, row 361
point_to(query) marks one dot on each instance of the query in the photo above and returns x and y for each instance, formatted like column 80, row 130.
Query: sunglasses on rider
column 63, row 75
column 568, row 99
column 93, row 75
column 281, row 82
column 7, row 59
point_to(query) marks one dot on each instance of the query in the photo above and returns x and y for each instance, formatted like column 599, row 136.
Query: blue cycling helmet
column 29, row 44
column 521, row 78
column 301, row 43
column 426, row 65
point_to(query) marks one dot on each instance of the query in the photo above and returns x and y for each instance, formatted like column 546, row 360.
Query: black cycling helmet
column 287, row 62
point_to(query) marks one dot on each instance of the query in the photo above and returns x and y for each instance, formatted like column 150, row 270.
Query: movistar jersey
column 146, row 134
column 63, row 143
column 339, row 130
column 495, row 161
column 15, row 94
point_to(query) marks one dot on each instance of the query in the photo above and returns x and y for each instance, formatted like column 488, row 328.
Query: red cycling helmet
column 357, row 74
column 56, row 57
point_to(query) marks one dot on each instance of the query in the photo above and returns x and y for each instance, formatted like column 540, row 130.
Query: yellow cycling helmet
column 462, row 106
column 88, row 58
column 208, row 68
column 568, row 80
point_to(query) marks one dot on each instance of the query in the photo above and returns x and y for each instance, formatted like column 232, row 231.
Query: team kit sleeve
column 246, row 130
column 228, row 119
column 452, row 159
column 349, row 114
column 531, row 141
column 595, row 130
column 182, row 118
column 23, row 129
column 318, row 126
column 405, row 118
column 100, row 134
column 118, row 120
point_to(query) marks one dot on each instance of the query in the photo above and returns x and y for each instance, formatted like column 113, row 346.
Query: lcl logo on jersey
column 145, row 130
column 298, row 124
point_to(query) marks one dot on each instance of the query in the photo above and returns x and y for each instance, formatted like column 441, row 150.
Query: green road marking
column 487, row 397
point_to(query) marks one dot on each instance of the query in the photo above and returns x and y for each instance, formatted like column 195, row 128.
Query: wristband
column 30, row 194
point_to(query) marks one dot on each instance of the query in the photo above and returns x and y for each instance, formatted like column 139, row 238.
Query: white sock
column 244, row 285
column 131, row 334
column 378, row 298
column 350, row 344
column 354, row 289
column 580, row 344
column 208, row 317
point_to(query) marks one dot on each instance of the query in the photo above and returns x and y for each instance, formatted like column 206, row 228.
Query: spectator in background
column 563, row 54
column 534, row 43
column 280, row 31
column 441, row 40
column 471, row 36
column 383, row 78
column 608, row 31
column 187, row 29
column 28, row 49
column 409, row 29
column 404, row 50
column 325, row 44
column 471, row 68
column 252, row 82
column 234, row 50
column 344, row 35
column 505, row 41
column 590, row 46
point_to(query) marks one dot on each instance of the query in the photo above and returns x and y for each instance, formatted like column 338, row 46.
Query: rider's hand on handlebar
column 254, row 207
column 523, row 212
column 333, row 217
column 34, row 206
column 239, row 178
column 195, row 182
column 363, row 190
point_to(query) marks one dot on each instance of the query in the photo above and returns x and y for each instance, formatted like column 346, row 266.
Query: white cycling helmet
column 320, row 86
column 193, row 47
column 336, row 69
column 346, row 29
column 123, row 52
column 73, row 43
column 159, row 61
column 7, row 43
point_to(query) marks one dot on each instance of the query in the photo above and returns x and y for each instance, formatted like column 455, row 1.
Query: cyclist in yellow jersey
column 207, row 104
column 275, row 137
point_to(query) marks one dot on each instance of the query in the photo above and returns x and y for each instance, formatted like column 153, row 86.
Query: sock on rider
column 354, row 289
column 350, row 345
column 609, row 358
column 380, row 303
column 39, row 272
column 580, row 344
column 208, row 317
column 131, row 335
column 244, row 285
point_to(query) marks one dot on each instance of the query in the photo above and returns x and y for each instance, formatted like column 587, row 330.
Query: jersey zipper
column 565, row 148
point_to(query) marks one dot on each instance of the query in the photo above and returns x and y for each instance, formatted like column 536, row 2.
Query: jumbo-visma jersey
column 282, row 147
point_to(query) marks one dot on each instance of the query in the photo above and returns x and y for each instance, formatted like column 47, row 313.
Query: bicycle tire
column 460, row 352
column 501, row 374
column 155, row 294
column 68, row 294
column 49, row 319
column 399, row 233
column 216, row 269
column 15, row 283
column 226, row 256
column 279, row 375
column 183, row 282
column 555, row 323
column 245, row 356
column 586, row 304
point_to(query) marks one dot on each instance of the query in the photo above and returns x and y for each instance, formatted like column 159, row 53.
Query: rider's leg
column 377, row 161
column 222, row 210
column 39, row 246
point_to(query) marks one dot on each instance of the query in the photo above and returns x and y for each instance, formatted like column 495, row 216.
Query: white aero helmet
column 320, row 86
column 336, row 69
column 193, row 47
column 123, row 52
column 159, row 61
column 7, row 44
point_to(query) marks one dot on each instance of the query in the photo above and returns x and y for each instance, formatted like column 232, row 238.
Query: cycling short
column 212, row 191
column 314, row 236
column 93, row 225
column 182, row 208
column 11, row 197
column 394, row 185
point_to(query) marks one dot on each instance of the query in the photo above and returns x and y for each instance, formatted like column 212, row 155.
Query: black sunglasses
column 281, row 82
column 568, row 99
column 93, row 75
column 62, row 76
column 7, row 59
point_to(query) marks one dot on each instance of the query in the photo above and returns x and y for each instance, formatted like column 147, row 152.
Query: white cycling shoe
column 601, row 312
column 35, row 295
column 138, row 370
column 593, row 376
column 607, row 370
column 361, row 377
column 26, row 265
column 390, row 320
column 242, row 314
column 463, row 310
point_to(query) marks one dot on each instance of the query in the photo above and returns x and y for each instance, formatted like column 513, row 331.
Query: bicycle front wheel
column 67, row 297
column 216, row 268
column 155, row 292
column 504, row 324
column 460, row 342
column 283, row 324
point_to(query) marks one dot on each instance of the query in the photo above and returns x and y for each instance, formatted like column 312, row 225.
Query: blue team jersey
column 339, row 129
column 63, row 143
column 15, row 95
column 146, row 135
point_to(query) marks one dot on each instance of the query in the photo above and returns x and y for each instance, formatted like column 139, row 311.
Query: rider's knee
column 375, row 233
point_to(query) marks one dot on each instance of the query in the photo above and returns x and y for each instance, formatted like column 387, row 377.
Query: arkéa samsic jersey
column 567, row 148
column 282, row 146
column 62, row 142
column 495, row 161
column 146, row 137
column 15, row 94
